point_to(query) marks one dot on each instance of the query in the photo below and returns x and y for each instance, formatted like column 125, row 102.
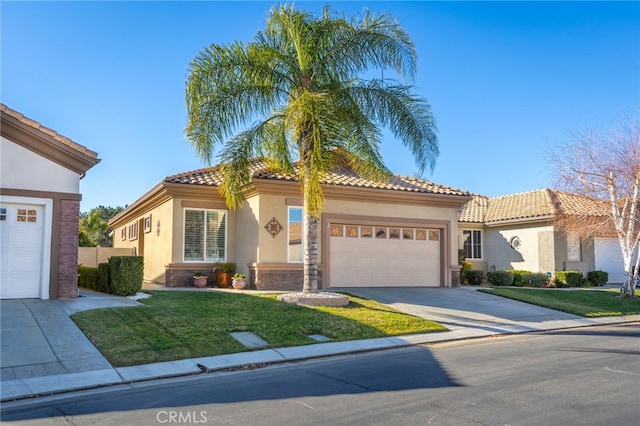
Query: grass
column 181, row 324
column 586, row 303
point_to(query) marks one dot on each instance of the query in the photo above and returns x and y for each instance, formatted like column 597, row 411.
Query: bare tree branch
column 605, row 168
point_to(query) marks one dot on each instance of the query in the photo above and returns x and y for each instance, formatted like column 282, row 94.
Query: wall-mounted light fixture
column 158, row 227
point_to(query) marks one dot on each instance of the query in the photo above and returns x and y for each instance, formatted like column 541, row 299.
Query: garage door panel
column 377, row 262
column 21, row 249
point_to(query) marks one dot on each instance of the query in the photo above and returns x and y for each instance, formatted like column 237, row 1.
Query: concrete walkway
column 43, row 352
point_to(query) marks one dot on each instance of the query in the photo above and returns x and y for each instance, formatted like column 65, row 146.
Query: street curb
column 22, row 389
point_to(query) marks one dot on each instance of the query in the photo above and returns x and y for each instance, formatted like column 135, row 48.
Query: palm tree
column 296, row 93
column 94, row 226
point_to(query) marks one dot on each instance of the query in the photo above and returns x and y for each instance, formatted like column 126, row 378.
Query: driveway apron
column 465, row 308
column 38, row 338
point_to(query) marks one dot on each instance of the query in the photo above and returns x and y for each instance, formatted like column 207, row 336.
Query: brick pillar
column 68, row 249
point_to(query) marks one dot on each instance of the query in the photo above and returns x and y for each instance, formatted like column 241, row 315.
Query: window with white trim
column 205, row 235
column 295, row 247
column 472, row 243
column 133, row 231
column 573, row 247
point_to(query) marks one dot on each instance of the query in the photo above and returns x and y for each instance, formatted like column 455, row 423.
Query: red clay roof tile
column 211, row 176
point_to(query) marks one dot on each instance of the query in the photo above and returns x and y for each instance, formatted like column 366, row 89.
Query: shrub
column 464, row 268
column 569, row 279
column 500, row 277
column 537, row 279
column 104, row 278
column 126, row 274
column 598, row 277
column 475, row 276
column 87, row 277
column 225, row 267
column 518, row 275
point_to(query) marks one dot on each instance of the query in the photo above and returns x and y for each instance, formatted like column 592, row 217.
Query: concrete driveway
column 38, row 337
column 464, row 308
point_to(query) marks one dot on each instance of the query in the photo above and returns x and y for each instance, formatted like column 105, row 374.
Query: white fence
column 91, row 256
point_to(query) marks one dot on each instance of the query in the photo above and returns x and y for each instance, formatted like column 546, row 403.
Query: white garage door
column 21, row 251
column 609, row 258
column 382, row 256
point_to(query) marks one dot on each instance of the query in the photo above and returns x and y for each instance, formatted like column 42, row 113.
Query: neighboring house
column 40, row 172
column 400, row 233
column 519, row 231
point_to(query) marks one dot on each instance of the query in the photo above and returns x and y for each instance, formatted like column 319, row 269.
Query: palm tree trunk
column 310, row 236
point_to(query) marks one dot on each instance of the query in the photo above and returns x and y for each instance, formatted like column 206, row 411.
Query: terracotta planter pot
column 200, row 282
column 239, row 283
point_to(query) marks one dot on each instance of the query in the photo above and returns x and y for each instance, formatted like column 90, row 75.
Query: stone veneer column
column 68, row 249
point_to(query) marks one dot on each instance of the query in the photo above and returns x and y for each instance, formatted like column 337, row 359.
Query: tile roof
column 523, row 205
column 475, row 210
column 534, row 205
column 573, row 204
column 52, row 133
column 211, row 177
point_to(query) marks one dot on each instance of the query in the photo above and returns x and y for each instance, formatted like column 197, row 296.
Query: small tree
column 605, row 167
column 94, row 226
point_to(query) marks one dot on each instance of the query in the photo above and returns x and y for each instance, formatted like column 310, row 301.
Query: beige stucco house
column 40, row 172
column 400, row 233
column 519, row 231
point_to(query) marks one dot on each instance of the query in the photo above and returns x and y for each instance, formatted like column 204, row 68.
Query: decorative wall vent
column 515, row 242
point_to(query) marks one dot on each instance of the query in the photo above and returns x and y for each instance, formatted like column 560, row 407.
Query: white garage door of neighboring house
column 609, row 258
column 372, row 256
column 21, row 250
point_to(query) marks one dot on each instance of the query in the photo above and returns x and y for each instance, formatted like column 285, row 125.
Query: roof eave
column 155, row 196
column 47, row 146
column 518, row 221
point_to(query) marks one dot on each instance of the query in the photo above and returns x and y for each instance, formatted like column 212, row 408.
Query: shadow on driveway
column 464, row 307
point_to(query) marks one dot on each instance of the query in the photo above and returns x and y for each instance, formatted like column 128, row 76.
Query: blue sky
column 505, row 80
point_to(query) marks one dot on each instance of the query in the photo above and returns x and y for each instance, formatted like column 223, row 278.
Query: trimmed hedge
column 518, row 276
column 104, row 278
column 598, row 277
column 569, row 279
column 87, row 277
column 500, row 278
column 537, row 279
column 475, row 276
column 126, row 274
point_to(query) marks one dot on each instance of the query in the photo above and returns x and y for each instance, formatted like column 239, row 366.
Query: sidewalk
column 476, row 325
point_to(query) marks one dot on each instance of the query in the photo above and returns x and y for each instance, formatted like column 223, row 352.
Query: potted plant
column 239, row 281
column 200, row 280
column 225, row 271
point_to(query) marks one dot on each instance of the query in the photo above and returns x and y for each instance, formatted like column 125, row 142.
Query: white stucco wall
column 23, row 169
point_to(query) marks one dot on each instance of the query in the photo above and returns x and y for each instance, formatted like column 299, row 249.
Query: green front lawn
column 586, row 303
column 182, row 324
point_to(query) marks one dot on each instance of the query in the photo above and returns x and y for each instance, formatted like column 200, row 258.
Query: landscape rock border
column 315, row 299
